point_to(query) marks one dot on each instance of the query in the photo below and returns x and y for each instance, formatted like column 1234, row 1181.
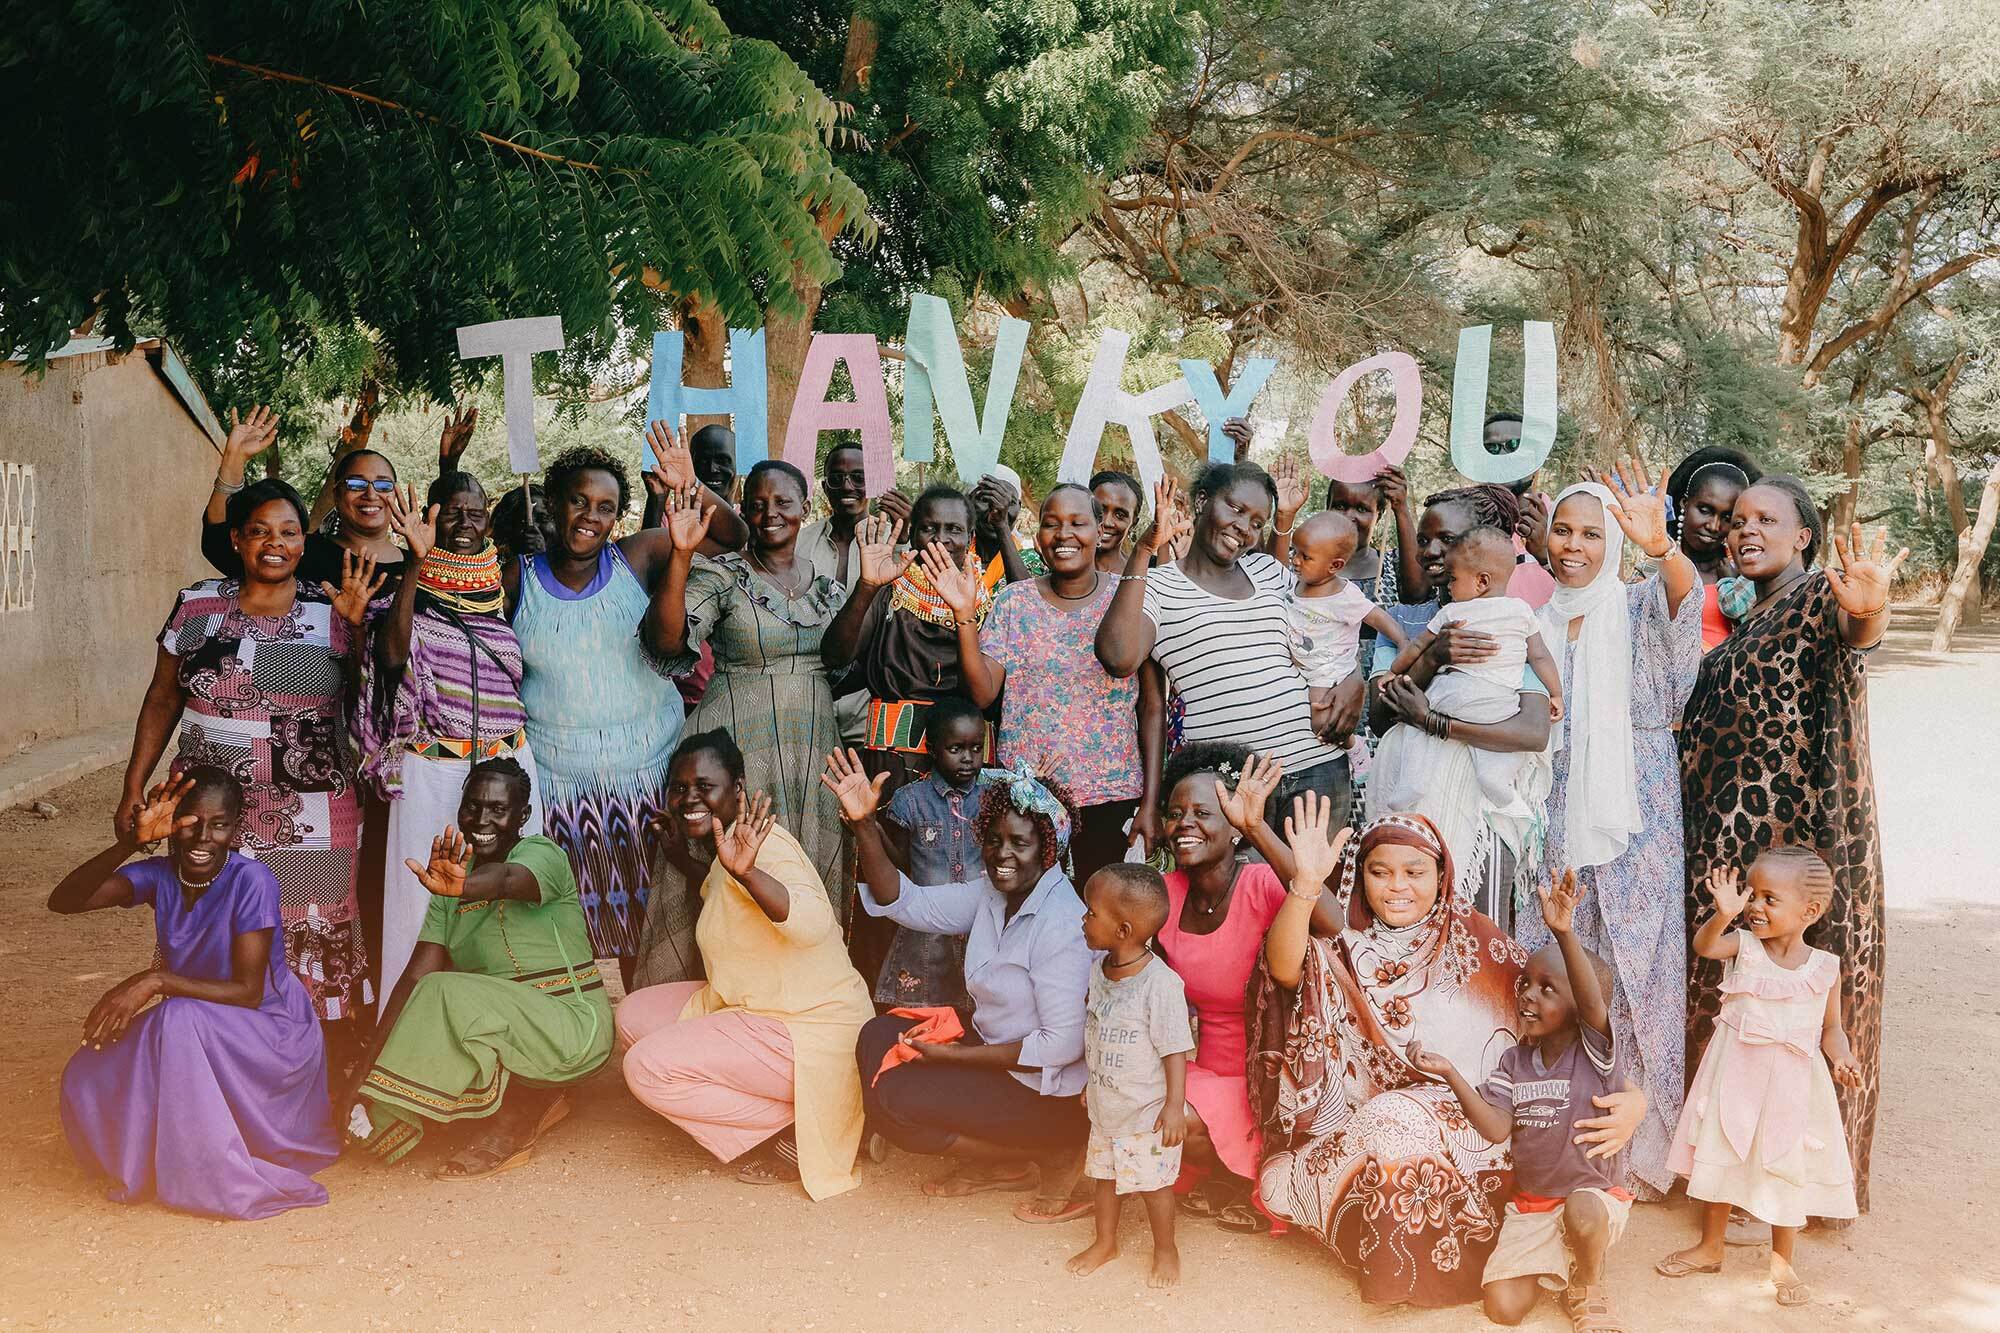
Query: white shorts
column 1138, row 1163
column 1535, row 1244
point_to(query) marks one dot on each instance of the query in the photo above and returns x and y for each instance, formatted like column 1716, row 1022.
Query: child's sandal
column 1589, row 1310
column 1793, row 1291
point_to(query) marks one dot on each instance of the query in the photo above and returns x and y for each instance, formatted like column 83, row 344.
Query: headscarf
column 1030, row 796
column 467, row 584
column 1601, row 802
column 1320, row 1052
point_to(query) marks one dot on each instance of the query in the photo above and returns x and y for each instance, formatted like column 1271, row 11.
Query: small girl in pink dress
column 1761, row 1128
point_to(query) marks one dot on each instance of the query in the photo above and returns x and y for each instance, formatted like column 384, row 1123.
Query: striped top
column 1231, row 662
column 432, row 697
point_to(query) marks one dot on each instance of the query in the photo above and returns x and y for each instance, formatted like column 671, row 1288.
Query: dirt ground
column 622, row 1223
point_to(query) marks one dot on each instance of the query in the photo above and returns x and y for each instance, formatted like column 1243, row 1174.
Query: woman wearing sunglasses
column 362, row 482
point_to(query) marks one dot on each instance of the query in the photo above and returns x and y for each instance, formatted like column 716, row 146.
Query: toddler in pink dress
column 1761, row 1128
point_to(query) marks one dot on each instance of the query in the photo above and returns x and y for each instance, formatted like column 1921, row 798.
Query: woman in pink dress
column 1220, row 904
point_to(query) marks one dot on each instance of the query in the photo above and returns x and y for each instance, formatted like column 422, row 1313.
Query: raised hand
column 1394, row 486
column 1726, row 889
column 1239, row 433
column 1532, row 527
column 686, row 514
column 1243, row 805
column 957, row 584
column 450, row 859
column 454, row 436
column 875, row 547
column 358, row 585
column 738, row 845
column 1291, row 490
column 859, row 795
column 1170, row 520
column 673, row 463
column 990, row 501
column 1559, row 901
column 1315, row 854
column 1642, row 506
column 1860, row 580
column 1429, row 1062
column 251, row 435
column 894, row 505
column 417, row 524
column 156, row 818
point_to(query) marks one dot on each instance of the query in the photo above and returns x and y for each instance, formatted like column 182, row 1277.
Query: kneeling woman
column 1009, row 1092
column 765, row 1042
column 501, row 1005
column 214, row 1100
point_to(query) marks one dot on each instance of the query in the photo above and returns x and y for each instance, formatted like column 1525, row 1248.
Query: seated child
column 931, row 840
column 1136, row 1041
column 1478, row 566
column 1570, row 1207
column 1761, row 1128
column 1327, row 612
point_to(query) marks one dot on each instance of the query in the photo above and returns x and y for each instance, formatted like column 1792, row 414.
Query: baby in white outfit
column 1327, row 612
column 1478, row 566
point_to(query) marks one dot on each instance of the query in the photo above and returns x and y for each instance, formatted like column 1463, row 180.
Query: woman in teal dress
column 763, row 613
column 603, row 712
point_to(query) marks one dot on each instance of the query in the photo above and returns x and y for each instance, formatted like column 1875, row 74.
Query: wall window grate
column 17, row 537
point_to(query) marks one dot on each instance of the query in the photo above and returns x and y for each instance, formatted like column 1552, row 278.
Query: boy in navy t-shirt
column 1571, row 1207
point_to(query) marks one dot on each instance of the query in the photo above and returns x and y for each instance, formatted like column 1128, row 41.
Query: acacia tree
column 243, row 178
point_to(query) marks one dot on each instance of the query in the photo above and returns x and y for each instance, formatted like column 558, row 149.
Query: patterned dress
column 770, row 693
column 1774, row 749
column 265, row 699
column 603, row 719
column 1631, row 913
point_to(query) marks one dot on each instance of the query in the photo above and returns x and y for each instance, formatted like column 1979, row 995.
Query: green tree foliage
column 248, row 178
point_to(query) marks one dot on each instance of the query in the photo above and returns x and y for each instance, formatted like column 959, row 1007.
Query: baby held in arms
column 1327, row 611
column 1478, row 568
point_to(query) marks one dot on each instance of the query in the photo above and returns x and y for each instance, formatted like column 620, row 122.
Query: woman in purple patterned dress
column 253, row 671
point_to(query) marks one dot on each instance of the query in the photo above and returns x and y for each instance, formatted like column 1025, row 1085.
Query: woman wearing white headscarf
column 1629, row 654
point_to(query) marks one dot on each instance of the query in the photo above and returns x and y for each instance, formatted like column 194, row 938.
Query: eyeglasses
column 356, row 485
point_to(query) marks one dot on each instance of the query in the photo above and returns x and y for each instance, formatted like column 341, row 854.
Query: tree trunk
column 1971, row 550
column 1936, row 403
column 1850, row 454
column 705, row 340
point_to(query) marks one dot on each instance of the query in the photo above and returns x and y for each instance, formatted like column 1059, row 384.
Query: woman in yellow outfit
column 763, row 1051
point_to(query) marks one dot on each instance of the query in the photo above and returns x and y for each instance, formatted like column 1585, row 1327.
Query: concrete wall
column 122, row 472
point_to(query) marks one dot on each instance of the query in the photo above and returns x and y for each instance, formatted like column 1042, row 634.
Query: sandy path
column 622, row 1223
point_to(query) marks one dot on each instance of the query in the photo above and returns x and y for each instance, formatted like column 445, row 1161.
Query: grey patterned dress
column 1631, row 914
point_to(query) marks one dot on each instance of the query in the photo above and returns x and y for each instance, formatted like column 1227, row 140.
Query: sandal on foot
column 491, row 1154
column 1243, row 1218
column 1675, row 1266
column 557, row 1112
column 1205, row 1200
column 779, row 1166
column 957, row 1185
column 1589, row 1310
column 1793, row 1291
column 1068, row 1210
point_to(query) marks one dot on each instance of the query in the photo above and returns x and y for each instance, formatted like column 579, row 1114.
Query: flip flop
column 1242, row 1218
column 1793, row 1292
column 1675, row 1266
column 780, row 1166
column 959, row 1186
column 1205, row 1200
column 500, row 1160
column 1072, row 1210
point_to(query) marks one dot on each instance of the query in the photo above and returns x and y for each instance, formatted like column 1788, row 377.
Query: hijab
column 1601, row 801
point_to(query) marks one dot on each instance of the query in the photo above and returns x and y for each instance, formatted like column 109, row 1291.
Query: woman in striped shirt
column 1215, row 621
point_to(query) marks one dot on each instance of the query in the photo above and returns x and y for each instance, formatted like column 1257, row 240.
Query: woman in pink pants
column 767, row 1042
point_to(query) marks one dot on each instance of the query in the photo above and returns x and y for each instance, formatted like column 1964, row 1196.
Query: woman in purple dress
column 214, row 1100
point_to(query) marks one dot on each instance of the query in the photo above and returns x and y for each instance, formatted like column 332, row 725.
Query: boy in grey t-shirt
column 1136, row 1040
column 1569, row 1208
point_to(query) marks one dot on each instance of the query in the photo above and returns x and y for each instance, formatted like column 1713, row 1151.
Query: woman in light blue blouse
column 1008, row 1093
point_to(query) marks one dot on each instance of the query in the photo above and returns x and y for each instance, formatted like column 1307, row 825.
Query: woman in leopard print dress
column 1774, row 749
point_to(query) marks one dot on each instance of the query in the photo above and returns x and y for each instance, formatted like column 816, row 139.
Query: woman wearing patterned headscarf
column 441, row 691
column 1360, row 1148
column 1007, row 1096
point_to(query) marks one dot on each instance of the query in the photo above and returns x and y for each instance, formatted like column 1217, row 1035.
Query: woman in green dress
column 501, row 1005
column 763, row 611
